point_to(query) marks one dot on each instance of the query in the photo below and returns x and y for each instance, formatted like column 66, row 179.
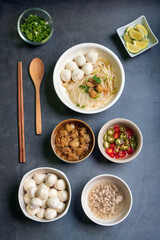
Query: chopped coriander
column 35, row 28
column 77, row 105
column 83, row 106
column 82, row 86
column 96, row 79
column 87, row 89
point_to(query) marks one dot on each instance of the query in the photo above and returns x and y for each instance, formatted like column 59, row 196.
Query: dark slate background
column 78, row 22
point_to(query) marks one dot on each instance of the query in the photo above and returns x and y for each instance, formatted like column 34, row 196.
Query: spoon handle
column 38, row 113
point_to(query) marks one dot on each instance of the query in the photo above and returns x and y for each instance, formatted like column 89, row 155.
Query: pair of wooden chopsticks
column 21, row 115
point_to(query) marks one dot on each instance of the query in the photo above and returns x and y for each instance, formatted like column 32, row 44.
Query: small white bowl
column 69, row 55
column 141, row 20
column 126, row 206
column 126, row 123
column 21, row 192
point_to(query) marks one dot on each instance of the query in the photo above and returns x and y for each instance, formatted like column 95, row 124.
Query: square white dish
column 141, row 20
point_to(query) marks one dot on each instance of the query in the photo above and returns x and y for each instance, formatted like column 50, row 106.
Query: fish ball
column 39, row 178
column 28, row 184
column 71, row 66
column 32, row 212
column 53, row 202
column 42, row 193
column 43, row 185
column 60, row 184
column 26, row 198
column 61, row 207
column 44, row 203
column 32, row 192
column 50, row 179
column 66, row 75
column 35, row 203
column 40, row 213
column 77, row 75
column 50, row 213
column 87, row 68
column 62, row 195
column 92, row 57
column 52, row 192
column 80, row 60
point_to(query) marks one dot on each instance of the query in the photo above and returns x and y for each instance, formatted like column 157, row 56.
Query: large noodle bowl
column 95, row 90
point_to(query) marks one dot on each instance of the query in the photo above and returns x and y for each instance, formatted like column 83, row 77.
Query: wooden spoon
column 36, row 70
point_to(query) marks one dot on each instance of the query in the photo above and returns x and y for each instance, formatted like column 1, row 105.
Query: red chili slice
column 129, row 132
column 116, row 156
column 112, row 145
column 122, row 154
column 109, row 151
column 116, row 135
column 112, row 155
column 116, row 128
column 130, row 150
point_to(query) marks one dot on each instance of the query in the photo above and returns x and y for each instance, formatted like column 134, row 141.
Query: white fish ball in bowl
column 28, row 184
column 80, row 60
column 63, row 195
column 66, row 75
column 50, row 213
column 77, row 75
column 87, row 68
column 51, row 179
column 92, row 57
column 60, row 184
column 71, row 66
column 39, row 178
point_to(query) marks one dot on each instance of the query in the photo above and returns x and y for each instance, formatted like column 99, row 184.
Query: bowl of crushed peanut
column 106, row 200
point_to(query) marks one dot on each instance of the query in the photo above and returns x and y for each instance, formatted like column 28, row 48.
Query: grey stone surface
column 78, row 22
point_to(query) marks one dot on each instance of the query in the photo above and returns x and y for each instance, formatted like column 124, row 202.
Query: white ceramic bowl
column 126, row 206
column 141, row 20
column 83, row 48
column 21, row 192
column 126, row 123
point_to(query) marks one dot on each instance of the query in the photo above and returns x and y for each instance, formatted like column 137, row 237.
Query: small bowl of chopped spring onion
column 35, row 26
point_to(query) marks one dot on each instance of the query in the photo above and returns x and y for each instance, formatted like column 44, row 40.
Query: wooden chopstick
column 21, row 115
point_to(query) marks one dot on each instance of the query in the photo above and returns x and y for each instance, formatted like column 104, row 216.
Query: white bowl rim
column 21, row 186
column 94, row 45
column 129, row 158
column 121, row 180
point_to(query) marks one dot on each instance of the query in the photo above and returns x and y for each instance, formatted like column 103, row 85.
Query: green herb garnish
column 98, row 95
column 77, row 105
column 35, row 28
column 87, row 89
column 82, row 86
column 96, row 79
column 83, row 106
column 104, row 79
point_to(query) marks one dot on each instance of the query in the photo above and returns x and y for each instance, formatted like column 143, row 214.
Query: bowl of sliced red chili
column 120, row 140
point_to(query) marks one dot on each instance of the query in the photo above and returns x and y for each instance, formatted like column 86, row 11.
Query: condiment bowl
column 128, row 124
column 40, row 13
column 127, row 198
column 21, row 192
column 83, row 48
column 59, row 126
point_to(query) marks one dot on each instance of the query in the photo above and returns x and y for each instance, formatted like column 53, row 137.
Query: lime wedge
column 127, row 30
column 135, row 34
column 127, row 37
column 141, row 29
column 132, row 48
column 141, row 44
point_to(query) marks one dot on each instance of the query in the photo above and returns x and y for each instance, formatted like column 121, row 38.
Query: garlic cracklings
column 45, row 195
